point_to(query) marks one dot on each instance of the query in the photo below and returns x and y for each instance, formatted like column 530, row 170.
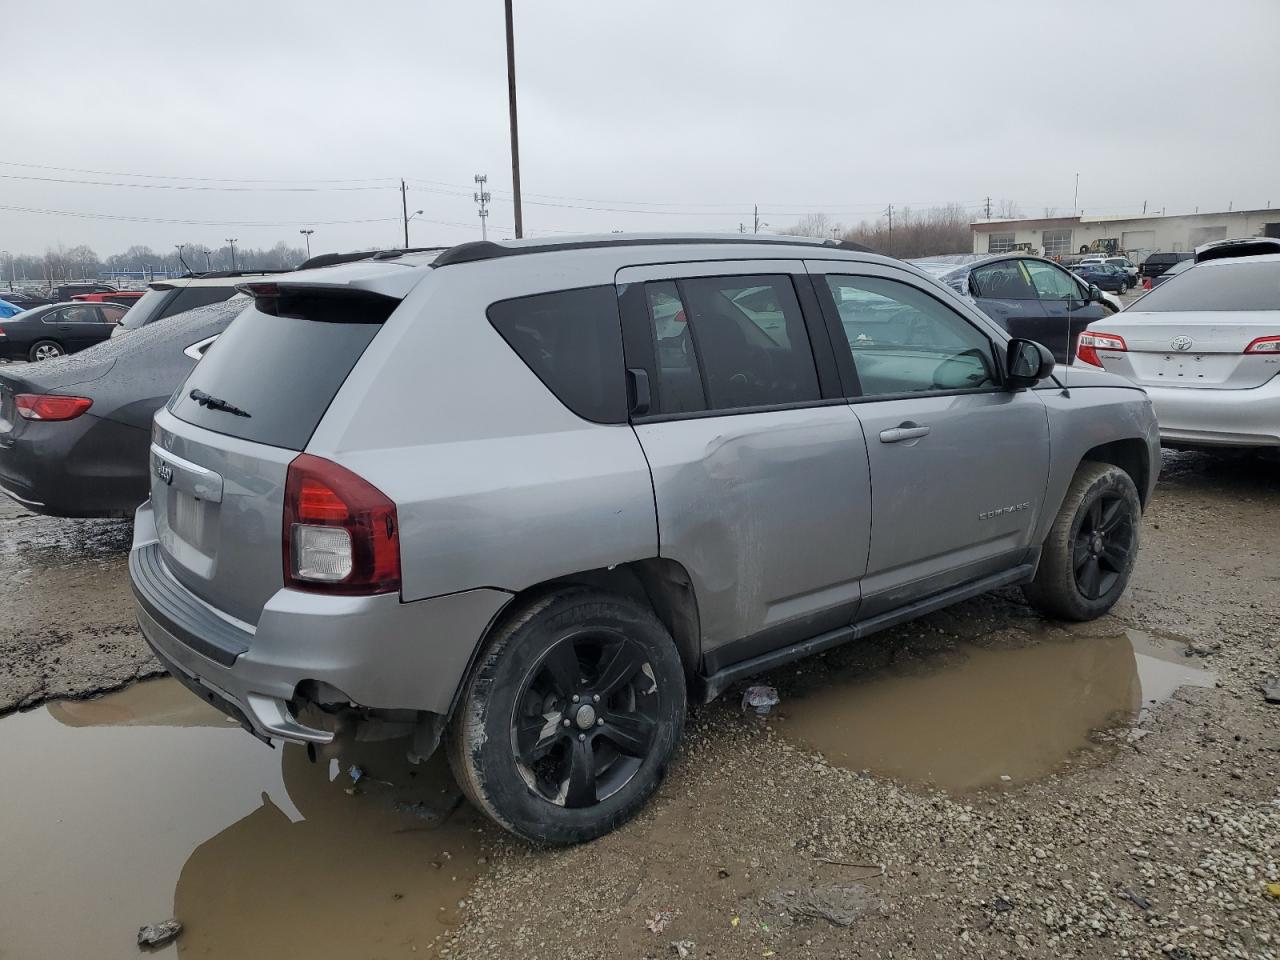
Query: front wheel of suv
column 1092, row 546
column 571, row 717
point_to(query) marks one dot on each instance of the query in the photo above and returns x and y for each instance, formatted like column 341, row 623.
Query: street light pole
column 307, row 233
column 515, row 136
column 407, row 220
column 232, row 242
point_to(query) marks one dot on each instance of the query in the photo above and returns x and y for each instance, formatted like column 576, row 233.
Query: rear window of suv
column 1242, row 285
column 280, row 372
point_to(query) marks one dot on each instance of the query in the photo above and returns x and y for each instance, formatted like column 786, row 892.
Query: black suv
column 1158, row 263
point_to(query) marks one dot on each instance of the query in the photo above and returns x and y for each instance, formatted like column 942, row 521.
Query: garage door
column 1138, row 240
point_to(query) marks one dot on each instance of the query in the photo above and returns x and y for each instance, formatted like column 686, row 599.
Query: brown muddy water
column 986, row 716
column 147, row 804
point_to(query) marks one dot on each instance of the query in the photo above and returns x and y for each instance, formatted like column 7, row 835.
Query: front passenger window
column 904, row 341
column 1052, row 283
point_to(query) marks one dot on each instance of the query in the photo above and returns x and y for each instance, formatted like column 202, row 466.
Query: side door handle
column 639, row 397
column 904, row 431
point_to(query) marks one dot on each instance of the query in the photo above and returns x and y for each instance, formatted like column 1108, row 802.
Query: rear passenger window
column 726, row 343
column 1003, row 280
column 572, row 341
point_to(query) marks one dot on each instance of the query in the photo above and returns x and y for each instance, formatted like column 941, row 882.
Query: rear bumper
column 1218, row 418
column 380, row 653
column 87, row 467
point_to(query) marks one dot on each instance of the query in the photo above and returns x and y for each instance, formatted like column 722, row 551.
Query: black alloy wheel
column 569, row 719
column 585, row 719
column 1088, row 556
column 1103, row 545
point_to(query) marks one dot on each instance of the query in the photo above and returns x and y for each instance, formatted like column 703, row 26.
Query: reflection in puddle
column 147, row 804
column 997, row 713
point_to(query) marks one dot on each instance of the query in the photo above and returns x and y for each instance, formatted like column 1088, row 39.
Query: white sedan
column 1206, row 347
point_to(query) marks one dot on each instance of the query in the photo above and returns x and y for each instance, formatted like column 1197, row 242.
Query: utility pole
column 232, row 242
column 307, row 233
column 890, row 212
column 988, row 208
column 755, row 218
column 1075, row 198
column 515, row 137
column 208, row 258
column 1144, row 208
column 742, row 227
column 482, row 198
column 404, row 212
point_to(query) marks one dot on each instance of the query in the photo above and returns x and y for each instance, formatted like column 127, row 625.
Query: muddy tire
column 570, row 719
column 1092, row 546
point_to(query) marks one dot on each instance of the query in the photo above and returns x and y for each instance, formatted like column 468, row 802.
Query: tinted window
column 572, row 341
column 905, row 341
column 728, row 343
column 1241, row 285
column 679, row 385
column 147, row 308
column 1051, row 283
column 246, row 371
column 1003, row 280
column 191, row 297
column 111, row 313
column 85, row 314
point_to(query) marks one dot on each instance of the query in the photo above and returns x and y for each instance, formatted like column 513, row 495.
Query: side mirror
column 1027, row 363
column 1095, row 294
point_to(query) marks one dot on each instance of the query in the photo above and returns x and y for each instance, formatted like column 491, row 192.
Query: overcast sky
column 676, row 115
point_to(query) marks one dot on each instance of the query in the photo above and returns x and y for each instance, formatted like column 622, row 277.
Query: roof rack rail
column 331, row 259
column 476, row 250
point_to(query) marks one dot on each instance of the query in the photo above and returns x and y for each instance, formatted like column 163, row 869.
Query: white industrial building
column 1134, row 236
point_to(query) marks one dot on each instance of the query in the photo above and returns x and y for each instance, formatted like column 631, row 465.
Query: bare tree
column 1008, row 210
column 937, row 230
column 810, row 225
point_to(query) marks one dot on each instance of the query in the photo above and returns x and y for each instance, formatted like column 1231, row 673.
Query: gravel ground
column 1153, row 843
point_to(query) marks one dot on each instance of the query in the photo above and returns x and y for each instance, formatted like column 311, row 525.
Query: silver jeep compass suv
column 529, row 497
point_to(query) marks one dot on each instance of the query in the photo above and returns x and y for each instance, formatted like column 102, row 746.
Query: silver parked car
column 1205, row 345
column 529, row 496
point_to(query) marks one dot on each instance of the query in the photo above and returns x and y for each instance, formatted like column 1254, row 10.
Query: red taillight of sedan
column 1091, row 342
column 1264, row 345
column 40, row 406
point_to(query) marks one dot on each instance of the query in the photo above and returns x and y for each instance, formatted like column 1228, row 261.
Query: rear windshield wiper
column 213, row 403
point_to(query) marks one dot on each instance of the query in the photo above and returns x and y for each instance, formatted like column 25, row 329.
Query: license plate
column 1182, row 366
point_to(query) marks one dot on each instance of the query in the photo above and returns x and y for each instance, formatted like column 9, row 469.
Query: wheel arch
column 1130, row 455
column 659, row 583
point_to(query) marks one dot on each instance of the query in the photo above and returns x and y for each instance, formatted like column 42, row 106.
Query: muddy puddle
column 982, row 716
column 147, row 804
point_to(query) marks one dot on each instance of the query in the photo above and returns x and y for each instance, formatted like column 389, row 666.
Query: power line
column 162, row 176
column 193, row 223
column 181, row 186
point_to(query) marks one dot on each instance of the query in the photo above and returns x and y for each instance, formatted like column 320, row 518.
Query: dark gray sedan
column 1031, row 297
column 75, row 431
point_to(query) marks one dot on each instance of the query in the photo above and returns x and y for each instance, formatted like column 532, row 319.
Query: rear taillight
column 340, row 532
column 1264, row 345
column 1091, row 342
column 40, row 406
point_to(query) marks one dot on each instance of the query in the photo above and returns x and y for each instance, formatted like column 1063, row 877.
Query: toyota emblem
column 1181, row 343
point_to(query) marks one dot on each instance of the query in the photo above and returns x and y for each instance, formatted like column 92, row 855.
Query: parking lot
column 979, row 783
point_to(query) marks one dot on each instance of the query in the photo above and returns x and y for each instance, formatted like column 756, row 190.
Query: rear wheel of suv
column 1091, row 548
column 570, row 719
